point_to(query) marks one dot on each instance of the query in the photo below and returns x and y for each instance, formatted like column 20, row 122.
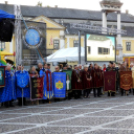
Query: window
column 88, row 50
column 76, row 43
column 56, row 44
column 104, row 51
column 128, row 46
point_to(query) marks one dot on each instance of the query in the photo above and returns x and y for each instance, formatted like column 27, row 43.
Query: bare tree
column 39, row 4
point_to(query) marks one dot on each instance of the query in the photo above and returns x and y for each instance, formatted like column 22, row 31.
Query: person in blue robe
column 22, row 85
column 7, row 93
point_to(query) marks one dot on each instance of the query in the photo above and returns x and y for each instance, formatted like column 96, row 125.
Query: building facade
column 61, row 35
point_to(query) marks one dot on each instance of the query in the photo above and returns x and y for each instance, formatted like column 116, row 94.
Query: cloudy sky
column 83, row 4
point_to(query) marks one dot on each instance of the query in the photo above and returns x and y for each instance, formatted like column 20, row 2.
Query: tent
column 66, row 54
column 4, row 15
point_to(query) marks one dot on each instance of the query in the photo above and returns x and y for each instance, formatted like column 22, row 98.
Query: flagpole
column 22, row 97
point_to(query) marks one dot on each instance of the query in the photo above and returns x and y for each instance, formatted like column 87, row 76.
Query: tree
column 39, row 4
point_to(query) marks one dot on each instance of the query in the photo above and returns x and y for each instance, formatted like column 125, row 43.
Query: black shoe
column 11, row 105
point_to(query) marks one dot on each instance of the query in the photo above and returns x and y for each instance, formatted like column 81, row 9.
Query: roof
column 65, row 13
column 98, row 38
column 70, row 31
column 65, row 54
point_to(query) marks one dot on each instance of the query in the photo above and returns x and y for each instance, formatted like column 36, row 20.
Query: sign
column 100, row 47
column 126, row 81
column 33, row 43
column 110, row 81
column 2, row 76
column 37, row 85
column 59, row 84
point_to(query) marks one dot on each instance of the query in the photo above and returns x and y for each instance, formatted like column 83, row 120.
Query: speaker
column 6, row 30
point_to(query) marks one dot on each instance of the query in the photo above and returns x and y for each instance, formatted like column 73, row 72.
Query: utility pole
column 79, row 48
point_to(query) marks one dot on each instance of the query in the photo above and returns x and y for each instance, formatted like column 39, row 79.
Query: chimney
column 6, row 2
column 56, row 6
column 127, row 11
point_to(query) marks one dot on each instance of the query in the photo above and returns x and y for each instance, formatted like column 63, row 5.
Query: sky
column 78, row 4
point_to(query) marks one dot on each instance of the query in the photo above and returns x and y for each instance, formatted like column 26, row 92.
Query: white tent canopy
column 66, row 54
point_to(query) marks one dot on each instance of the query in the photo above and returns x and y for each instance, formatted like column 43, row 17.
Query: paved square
column 105, row 115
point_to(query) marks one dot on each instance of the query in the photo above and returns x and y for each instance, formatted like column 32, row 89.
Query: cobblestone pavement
column 105, row 115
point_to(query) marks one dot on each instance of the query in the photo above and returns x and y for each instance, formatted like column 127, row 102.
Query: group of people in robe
column 91, row 78
column 17, row 83
column 84, row 80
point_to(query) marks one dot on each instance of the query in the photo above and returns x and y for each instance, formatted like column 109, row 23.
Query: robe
column 97, row 76
column 76, row 76
column 8, row 92
column 22, row 82
column 86, row 84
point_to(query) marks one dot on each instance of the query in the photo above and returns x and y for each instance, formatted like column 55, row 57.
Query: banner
column 110, row 81
column 59, row 84
column 2, row 76
column 126, row 80
column 36, row 92
column 68, row 79
column 22, row 79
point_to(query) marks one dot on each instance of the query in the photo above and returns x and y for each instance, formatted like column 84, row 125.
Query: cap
column 111, row 62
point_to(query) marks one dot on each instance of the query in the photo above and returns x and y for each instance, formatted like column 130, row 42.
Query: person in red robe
column 104, row 68
column 97, row 80
column 77, row 82
column 86, row 80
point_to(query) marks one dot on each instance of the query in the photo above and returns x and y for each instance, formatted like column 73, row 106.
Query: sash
column 59, row 84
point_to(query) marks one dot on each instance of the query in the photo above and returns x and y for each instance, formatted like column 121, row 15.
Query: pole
column 22, row 97
column 79, row 52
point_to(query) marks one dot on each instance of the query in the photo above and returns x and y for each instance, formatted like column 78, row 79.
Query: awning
column 4, row 15
column 66, row 54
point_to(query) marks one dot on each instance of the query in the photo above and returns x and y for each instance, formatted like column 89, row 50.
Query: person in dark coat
column 77, row 82
column 97, row 80
column 111, row 67
column 86, row 80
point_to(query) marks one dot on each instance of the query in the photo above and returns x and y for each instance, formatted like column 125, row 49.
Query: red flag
column 110, row 81
column 126, row 81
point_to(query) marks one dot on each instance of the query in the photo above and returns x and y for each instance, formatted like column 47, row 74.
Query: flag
column 51, row 41
column 2, row 76
column 59, row 84
column 36, row 88
column 68, row 79
column 110, row 81
column 126, row 80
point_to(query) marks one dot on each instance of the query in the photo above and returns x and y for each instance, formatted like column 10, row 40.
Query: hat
column 111, row 62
